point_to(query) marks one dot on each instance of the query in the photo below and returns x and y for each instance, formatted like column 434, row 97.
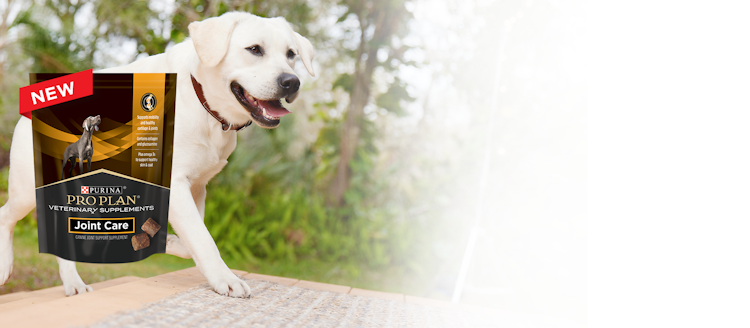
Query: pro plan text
column 101, row 200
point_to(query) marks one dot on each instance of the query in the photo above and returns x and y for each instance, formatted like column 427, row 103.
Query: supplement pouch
column 103, row 167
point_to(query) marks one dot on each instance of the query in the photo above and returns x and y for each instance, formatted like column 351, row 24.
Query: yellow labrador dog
column 233, row 71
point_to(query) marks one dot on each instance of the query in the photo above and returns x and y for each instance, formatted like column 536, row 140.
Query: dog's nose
column 289, row 82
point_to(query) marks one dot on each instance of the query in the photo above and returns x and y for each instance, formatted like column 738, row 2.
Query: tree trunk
column 352, row 128
column 350, row 136
column 360, row 95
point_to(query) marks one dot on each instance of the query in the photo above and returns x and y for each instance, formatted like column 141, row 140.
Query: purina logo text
column 101, row 190
column 102, row 196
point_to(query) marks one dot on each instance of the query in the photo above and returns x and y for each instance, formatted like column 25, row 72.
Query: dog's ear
column 306, row 52
column 211, row 38
column 86, row 125
column 96, row 127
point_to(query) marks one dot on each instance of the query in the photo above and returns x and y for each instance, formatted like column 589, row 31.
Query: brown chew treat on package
column 150, row 227
column 140, row 241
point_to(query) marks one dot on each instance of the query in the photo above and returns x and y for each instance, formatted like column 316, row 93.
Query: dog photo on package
column 102, row 168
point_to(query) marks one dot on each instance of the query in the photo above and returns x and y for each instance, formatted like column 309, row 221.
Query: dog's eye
column 255, row 50
column 290, row 54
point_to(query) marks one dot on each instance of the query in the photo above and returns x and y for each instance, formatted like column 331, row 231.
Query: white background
column 668, row 169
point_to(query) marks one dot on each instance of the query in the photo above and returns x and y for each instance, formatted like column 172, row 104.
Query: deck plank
column 10, row 297
column 280, row 280
column 36, row 297
column 430, row 302
column 194, row 271
column 90, row 307
column 57, row 292
column 132, row 293
column 322, row 286
column 377, row 294
column 70, row 311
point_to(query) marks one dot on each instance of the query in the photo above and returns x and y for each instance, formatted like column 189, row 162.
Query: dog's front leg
column 174, row 244
column 186, row 221
column 80, row 165
column 70, row 278
column 199, row 197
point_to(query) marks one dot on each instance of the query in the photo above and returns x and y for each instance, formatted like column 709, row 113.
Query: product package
column 103, row 167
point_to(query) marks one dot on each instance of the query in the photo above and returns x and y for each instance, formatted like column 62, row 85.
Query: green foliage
column 130, row 19
column 391, row 100
column 345, row 81
column 52, row 51
column 269, row 205
column 288, row 224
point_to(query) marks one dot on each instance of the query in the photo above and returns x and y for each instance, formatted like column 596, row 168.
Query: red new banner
column 55, row 91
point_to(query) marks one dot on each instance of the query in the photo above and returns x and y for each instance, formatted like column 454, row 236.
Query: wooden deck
column 51, row 308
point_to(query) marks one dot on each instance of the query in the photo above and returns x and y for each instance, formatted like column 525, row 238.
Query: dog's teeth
column 250, row 98
column 265, row 114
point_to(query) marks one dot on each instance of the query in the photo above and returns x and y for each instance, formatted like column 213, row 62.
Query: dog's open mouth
column 265, row 113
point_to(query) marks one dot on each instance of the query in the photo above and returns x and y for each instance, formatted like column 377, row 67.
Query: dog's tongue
column 273, row 108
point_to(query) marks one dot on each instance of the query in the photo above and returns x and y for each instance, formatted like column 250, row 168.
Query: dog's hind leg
column 174, row 244
column 62, row 170
column 66, row 159
column 21, row 200
column 21, row 194
column 70, row 278
column 176, row 247
column 72, row 165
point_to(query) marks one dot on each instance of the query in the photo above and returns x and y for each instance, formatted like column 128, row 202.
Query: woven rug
column 275, row 305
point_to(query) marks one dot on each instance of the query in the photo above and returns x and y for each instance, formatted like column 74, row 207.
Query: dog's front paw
column 230, row 285
column 71, row 280
column 6, row 258
column 77, row 288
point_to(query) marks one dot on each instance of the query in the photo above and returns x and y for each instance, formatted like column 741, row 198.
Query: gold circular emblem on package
column 148, row 102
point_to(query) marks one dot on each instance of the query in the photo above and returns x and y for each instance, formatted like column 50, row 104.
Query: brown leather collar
column 224, row 125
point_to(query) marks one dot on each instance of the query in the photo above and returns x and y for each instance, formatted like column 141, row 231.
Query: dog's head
column 247, row 65
column 92, row 122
